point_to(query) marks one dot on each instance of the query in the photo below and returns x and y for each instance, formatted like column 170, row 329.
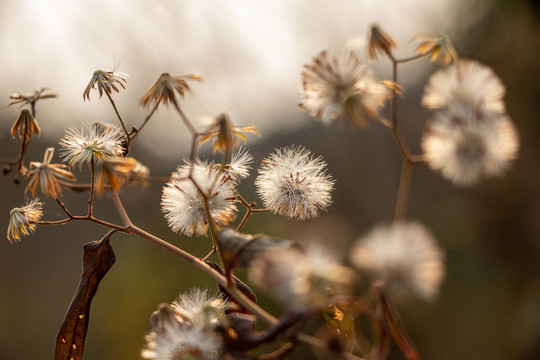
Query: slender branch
column 403, row 191
column 84, row 218
column 412, row 58
column 185, row 120
column 135, row 131
column 92, row 186
column 119, row 117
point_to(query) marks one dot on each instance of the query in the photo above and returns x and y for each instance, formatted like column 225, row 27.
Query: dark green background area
column 489, row 305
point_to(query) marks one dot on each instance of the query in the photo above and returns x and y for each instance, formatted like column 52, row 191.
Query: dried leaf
column 239, row 249
column 98, row 258
column 239, row 284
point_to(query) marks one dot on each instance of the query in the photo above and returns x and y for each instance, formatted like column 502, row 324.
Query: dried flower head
column 25, row 125
column 114, row 171
column 165, row 88
column 339, row 86
column 466, row 145
column 30, row 99
column 438, row 47
column 105, row 81
column 178, row 340
column 197, row 307
column 405, row 256
column 91, row 142
column 293, row 183
column 299, row 278
column 23, row 220
column 45, row 175
column 379, row 42
column 466, row 82
column 225, row 133
column 184, row 205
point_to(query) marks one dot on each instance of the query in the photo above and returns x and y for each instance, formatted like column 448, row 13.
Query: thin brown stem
column 126, row 134
column 135, row 132
column 92, row 186
column 84, row 218
column 412, row 58
column 403, row 191
column 185, row 120
column 395, row 326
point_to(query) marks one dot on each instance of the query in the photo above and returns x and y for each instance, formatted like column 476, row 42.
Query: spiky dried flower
column 25, row 125
column 23, row 220
column 467, row 145
column 91, row 142
column 466, row 82
column 379, row 42
column 30, row 99
column 405, row 256
column 338, row 86
column 438, row 47
column 165, row 88
column 225, row 134
column 45, row 175
column 105, row 81
column 184, row 205
column 294, row 183
column 299, row 278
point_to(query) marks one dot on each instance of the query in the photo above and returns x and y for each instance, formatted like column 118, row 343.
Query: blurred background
column 250, row 55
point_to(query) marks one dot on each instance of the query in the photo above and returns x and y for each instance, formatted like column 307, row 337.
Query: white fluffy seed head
column 337, row 85
column 466, row 145
column 99, row 141
column 178, row 340
column 405, row 256
column 467, row 82
column 299, row 278
column 294, row 183
column 184, row 205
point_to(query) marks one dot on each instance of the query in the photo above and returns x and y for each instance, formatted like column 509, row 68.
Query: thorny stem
column 126, row 134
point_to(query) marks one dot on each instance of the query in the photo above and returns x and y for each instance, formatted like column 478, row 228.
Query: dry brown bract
column 438, row 46
column 44, row 174
column 225, row 133
column 30, row 99
column 163, row 90
column 379, row 42
column 105, row 81
column 25, row 125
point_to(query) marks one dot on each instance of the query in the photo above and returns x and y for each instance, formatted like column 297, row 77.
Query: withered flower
column 25, row 125
column 23, row 220
column 30, row 99
column 379, row 42
column 338, row 86
column 45, row 175
column 438, row 46
column 225, row 133
column 105, row 81
column 117, row 170
column 163, row 90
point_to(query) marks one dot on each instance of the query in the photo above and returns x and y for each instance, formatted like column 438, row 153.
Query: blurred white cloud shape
column 249, row 52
